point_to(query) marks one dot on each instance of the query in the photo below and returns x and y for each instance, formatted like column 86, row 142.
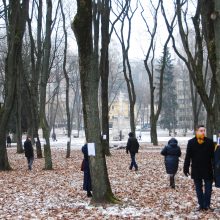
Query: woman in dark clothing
column 172, row 153
column 87, row 186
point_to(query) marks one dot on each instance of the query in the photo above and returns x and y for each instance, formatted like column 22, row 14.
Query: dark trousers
column 133, row 162
column 203, row 195
column 30, row 161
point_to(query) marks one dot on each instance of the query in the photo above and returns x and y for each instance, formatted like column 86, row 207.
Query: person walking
column 200, row 155
column 29, row 152
column 8, row 141
column 132, row 147
column 171, row 152
column 87, row 185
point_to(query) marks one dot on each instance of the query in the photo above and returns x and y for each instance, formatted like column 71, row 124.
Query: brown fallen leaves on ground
column 57, row 194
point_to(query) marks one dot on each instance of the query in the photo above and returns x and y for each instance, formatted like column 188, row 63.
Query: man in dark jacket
column 29, row 152
column 132, row 147
column 172, row 153
column 200, row 153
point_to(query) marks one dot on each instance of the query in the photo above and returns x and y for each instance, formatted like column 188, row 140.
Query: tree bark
column 104, row 73
column 67, row 85
column 44, row 78
column 35, row 77
column 82, row 27
column 217, row 49
column 16, row 27
column 18, row 111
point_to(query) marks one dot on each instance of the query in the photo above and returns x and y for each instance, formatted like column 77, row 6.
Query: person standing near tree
column 200, row 155
column 29, row 152
column 87, row 185
column 8, row 140
column 132, row 147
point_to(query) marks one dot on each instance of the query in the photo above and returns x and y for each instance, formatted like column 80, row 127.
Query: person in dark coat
column 132, row 147
column 87, row 185
column 200, row 155
column 172, row 153
column 217, row 162
column 8, row 141
column 29, row 152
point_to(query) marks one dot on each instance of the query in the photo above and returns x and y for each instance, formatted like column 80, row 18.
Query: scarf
column 200, row 138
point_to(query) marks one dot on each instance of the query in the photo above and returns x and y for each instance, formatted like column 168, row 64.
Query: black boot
column 172, row 182
column 89, row 194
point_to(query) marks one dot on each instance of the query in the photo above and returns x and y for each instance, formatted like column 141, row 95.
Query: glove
column 186, row 172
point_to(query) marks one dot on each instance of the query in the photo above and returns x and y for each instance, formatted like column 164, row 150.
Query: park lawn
column 58, row 194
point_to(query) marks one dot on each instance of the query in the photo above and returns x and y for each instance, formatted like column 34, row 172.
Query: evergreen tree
column 169, row 103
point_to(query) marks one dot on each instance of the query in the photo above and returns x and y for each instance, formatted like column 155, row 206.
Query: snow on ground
column 76, row 143
column 57, row 194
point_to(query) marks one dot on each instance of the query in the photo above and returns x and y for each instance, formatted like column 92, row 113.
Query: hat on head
column 131, row 134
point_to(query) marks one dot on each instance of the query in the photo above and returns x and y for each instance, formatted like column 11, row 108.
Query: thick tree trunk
column 44, row 79
column 18, row 113
column 82, row 27
column 17, row 19
column 217, row 46
column 104, row 72
column 18, row 128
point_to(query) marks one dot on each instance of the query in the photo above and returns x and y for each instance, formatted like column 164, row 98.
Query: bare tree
column 149, row 65
column 125, row 45
column 36, row 59
column 89, row 77
column 43, row 84
column 216, row 18
column 194, row 61
column 67, row 83
column 16, row 14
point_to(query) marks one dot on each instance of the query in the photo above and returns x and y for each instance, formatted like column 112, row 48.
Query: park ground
column 58, row 194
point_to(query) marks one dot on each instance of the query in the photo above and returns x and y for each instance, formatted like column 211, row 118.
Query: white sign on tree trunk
column 91, row 149
column 214, row 138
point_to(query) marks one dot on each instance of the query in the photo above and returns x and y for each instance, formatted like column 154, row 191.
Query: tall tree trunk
column 18, row 112
column 44, row 78
column 104, row 73
column 67, row 85
column 217, row 49
column 35, row 76
column 82, row 27
column 16, row 27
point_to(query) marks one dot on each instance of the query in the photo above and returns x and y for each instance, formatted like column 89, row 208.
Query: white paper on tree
column 214, row 138
column 91, row 149
column 104, row 136
column 68, row 139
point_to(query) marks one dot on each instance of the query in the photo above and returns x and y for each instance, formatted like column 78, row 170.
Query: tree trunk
column 217, row 49
column 44, row 78
column 18, row 113
column 35, row 76
column 67, row 85
column 82, row 27
column 16, row 27
column 104, row 72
